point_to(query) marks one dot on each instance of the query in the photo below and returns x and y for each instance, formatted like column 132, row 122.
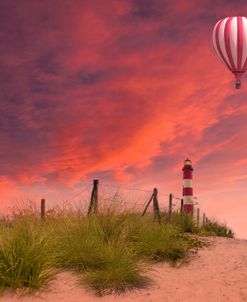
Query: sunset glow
column 123, row 91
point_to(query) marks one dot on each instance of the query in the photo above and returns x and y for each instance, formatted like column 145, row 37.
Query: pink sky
column 122, row 91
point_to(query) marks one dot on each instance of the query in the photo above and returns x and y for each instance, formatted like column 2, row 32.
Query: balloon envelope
column 230, row 43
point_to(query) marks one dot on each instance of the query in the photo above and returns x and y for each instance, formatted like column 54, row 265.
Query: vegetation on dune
column 162, row 243
column 184, row 222
column 122, row 272
column 213, row 228
column 111, row 251
column 25, row 255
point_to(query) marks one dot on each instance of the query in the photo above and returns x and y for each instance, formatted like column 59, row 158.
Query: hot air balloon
column 230, row 44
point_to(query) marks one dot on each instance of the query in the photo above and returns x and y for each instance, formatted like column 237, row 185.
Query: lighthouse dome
column 187, row 162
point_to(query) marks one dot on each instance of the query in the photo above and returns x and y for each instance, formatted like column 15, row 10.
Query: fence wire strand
column 131, row 196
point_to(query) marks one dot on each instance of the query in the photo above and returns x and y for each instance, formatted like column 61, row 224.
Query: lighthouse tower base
column 188, row 208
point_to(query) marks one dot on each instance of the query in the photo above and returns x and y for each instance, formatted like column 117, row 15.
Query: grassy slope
column 110, row 251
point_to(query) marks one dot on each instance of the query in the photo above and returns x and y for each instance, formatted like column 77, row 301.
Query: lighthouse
column 187, row 187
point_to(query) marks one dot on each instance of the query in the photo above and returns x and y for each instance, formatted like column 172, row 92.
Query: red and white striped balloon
column 230, row 44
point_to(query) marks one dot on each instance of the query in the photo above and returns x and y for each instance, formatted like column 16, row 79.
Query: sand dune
column 216, row 273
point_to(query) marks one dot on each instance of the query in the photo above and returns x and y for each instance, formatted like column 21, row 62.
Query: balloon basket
column 238, row 84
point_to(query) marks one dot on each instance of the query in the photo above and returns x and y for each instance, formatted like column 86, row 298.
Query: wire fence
column 125, row 197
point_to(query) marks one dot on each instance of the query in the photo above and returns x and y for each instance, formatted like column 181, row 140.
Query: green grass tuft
column 123, row 272
column 25, row 256
column 184, row 222
column 162, row 243
column 214, row 228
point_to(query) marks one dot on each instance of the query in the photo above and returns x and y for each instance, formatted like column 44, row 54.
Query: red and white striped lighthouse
column 187, row 187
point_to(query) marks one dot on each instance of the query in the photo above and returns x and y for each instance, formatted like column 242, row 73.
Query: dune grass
column 122, row 271
column 213, row 228
column 162, row 243
column 25, row 256
column 184, row 222
column 111, row 251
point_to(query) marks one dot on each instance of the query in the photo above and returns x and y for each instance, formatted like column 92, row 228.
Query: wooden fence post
column 156, row 209
column 198, row 217
column 94, row 198
column 91, row 203
column 182, row 206
column 42, row 208
column 170, row 209
column 96, row 201
column 204, row 220
column 147, row 205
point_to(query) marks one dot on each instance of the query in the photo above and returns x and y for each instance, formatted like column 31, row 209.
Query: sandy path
column 217, row 273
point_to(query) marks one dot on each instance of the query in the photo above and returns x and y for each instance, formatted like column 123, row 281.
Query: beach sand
column 217, row 273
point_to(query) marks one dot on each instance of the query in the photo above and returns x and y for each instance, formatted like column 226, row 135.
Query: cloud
column 120, row 90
